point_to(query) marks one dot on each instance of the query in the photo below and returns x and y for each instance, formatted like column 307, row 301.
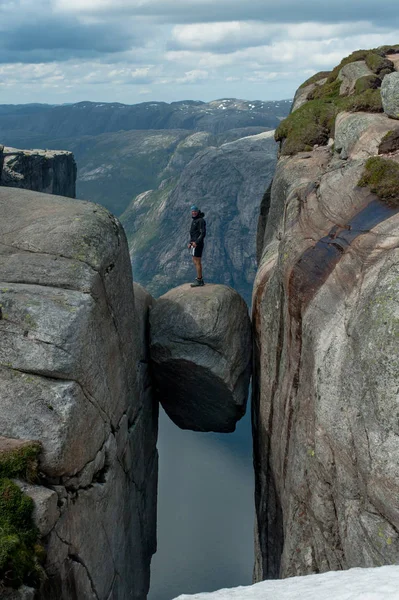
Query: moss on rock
column 309, row 125
column 327, row 91
column 354, row 57
column 20, row 461
column 20, row 552
column 390, row 142
column 314, row 122
column 368, row 101
column 368, row 82
column 315, row 78
column 374, row 59
column 378, row 63
column 381, row 175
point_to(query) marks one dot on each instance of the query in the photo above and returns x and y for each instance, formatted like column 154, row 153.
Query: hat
column 194, row 207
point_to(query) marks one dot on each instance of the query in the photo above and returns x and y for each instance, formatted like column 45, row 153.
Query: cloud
column 286, row 11
column 232, row 35
column 66, row 76
column 193, row 49
column 35, row 33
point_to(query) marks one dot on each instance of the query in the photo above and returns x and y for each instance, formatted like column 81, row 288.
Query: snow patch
column 380, row 583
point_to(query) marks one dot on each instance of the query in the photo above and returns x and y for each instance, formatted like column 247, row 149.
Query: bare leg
column 198, row 266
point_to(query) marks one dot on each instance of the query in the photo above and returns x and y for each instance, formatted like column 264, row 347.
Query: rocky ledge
column 49, row 171
column 201, row 356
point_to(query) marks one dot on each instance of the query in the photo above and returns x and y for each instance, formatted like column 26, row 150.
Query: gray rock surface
column 74, row 375
column 23, row 593
column 359, row 135
column 350, row 73
column 326, row 316
column 302, row 93
column 45, row 512
column 201, row 354
column 227, row 183
column 390, row 95
column 52, row 172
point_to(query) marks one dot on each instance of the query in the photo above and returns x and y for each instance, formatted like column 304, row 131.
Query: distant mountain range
column 94, row 118
column 173, row 154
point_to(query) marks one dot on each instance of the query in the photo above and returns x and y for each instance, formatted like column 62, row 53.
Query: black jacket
column 198, row 229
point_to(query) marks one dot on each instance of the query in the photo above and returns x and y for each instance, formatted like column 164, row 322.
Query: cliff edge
column 74, row 377
column 49, row 171
column 326, row 320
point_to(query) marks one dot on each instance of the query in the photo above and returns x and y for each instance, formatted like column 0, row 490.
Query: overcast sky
column 139, row 50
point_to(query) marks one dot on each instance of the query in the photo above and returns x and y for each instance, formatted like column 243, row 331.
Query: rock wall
column 49, row 171
column 326, row 320
column 74, row 375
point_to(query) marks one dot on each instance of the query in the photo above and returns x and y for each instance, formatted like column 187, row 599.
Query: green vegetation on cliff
column 20, row 552
column 315, row 78
column 20, row 462
column 314, row 122
column 381, row 175
column 374, row 59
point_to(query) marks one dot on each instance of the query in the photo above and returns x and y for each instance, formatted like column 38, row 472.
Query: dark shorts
column 198, row 250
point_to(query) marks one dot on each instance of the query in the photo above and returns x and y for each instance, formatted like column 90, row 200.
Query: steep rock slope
column 201, row 353
column 326, row 318
column 52, row 172
column 74, row 375
column 226, row 182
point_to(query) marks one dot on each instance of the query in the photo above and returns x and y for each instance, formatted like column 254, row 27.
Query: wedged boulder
column 201, row 356
column 390, row 95
column 74, row 375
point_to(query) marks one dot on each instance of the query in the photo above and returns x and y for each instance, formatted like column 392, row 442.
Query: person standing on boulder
column 196, row 245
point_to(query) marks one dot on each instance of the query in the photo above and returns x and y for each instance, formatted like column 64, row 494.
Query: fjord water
column 205, row 510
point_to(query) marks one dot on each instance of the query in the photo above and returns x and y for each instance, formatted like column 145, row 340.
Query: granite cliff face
column 52, row 172
column 326, row 320
column 74, row 375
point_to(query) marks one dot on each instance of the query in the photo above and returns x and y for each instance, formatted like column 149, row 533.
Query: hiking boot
column 198, row 283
